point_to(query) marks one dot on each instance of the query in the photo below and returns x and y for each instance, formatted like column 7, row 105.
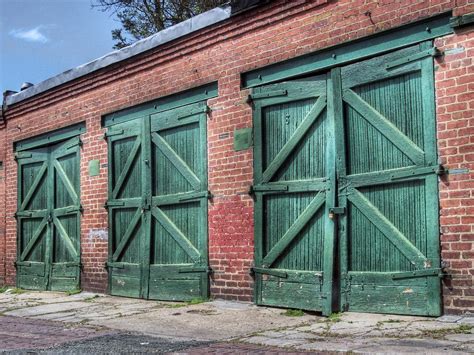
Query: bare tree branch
column 142, row 18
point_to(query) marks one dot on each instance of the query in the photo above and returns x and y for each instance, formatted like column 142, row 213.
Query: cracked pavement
column 54, row 322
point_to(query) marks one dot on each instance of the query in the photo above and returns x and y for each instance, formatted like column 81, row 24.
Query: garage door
column 346, row 191
column 158, row 205
column 48, row 215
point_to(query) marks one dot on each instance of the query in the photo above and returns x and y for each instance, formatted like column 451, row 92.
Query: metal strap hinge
column 266, row 95
column 442, row 171
column 22, row 155
column 74, row 209
column 109, row 265
column 203, row 109
column 425, row 170
column 265, row 271
column 206, row 194
column 206, row 269
column 438, row 272
column 111, row 133
column 113, row 204
column 267, row 188
column 432, row 52
column 463, row 20
column 23, row 214
column 75, row 143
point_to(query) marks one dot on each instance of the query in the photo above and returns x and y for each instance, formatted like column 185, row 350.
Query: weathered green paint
column 51, row 137
column 94, row 167
column 372, row 168
column 243, row 139
column 177, row 101
column 461, row 21
column 341, row 54
column 158, row 205
column 389, row 185
column 48, row 215
column 291, row 156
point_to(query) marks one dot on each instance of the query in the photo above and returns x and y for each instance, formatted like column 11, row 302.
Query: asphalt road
column 34, row 336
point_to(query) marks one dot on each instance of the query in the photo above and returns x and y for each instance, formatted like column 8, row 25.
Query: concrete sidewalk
column 245, row 323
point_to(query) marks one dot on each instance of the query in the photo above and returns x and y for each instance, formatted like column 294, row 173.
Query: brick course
column 454, row 82
column 2, row 203
column 279, row 31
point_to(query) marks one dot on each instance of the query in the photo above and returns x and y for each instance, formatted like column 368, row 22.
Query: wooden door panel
column 390, row 237
column 158, row 205
column 65, row 216
column 292, row 155
column 179, row 204
column 126, row 206
column 32, row 219
column 48, row 217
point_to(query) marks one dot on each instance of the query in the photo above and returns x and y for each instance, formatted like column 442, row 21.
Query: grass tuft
column 335, row 317
column 91, row 298
column 293, row 313
column 73, row 292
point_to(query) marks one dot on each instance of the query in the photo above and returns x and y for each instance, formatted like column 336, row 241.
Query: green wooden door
column 158, row 205
column 49, row 217
column 128, row 209
column 178, row 259
column 372, row 148
column 293, row 189
column 387, row 181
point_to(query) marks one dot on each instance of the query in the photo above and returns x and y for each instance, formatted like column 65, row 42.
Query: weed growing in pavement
column 334, row 317
column 73, row 292
column 91, row 299
column 194, row 301
column 293, row 313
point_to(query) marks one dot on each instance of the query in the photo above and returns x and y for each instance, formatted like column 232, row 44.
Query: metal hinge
column 111, row 133
column 265, row 271
column 202, row 109
column 267, row 188
column 432, row 52
column 266, row 95
column 463, row 20
column 191, row 269
column 198, row 195
column 114, row 204
column 75, row 143
column 438, row 272
column 75, row 209
column 457, row 171
column 22, row 214
column 22, row 155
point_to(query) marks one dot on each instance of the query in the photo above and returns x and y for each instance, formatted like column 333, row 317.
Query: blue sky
column 42, row 38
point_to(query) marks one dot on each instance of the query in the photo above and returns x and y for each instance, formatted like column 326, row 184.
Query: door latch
column 333, row 211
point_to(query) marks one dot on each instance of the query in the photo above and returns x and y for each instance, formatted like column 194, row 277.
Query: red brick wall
column 272, row 33
column 455, row 113
column 2, row 204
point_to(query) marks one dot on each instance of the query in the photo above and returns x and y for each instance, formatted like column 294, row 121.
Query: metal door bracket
column 266, row 95
column 113, row 204
column 111, row 133
column 438, row 272
column 432, row 52
column 277, row 273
